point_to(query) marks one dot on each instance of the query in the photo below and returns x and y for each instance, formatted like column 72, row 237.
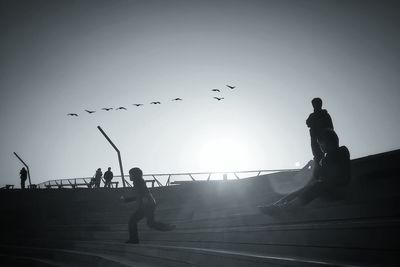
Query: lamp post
column 118, row 153
column 27, row 168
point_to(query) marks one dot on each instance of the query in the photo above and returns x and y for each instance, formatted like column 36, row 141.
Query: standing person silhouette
column 97, row 178
column 146, row 207
column 23, row 174
column 95, row 181
column 318, row 121
column 108, row 175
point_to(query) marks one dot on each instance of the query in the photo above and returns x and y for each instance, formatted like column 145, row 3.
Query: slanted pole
column 27, row 168
column 118, row 153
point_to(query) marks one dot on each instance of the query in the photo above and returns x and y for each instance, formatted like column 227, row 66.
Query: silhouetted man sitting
column 318, row 121
column 108, row 176
column 330, row 175
column 146, row 207
column 23, row 174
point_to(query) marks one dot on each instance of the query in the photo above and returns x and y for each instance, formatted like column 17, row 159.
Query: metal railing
column 162, row 179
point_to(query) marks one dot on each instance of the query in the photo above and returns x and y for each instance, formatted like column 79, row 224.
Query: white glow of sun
column 224, row 153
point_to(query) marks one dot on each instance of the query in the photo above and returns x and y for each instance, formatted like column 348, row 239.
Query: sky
column 60, row 57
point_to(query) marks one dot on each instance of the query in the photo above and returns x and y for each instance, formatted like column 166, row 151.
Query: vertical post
column 27, row 168
column 118, row 153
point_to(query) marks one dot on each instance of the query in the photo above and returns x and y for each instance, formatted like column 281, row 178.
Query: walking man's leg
column 132, row 226
column 156, row 225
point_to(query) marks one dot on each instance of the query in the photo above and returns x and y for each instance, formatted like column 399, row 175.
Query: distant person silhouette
column 108, row 176
column 23, row 174
column 97, row 177
column 330, row 175
column 318, row 121
column 95, row 181
column 146, row 207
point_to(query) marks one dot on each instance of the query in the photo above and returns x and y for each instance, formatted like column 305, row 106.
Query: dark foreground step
column 379, row 233
column 34, row 256
column 384, row 208
column 20, row 261
column 343, row 240
column 210, row 257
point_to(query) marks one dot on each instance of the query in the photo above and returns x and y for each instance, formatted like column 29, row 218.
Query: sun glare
column 224, row 153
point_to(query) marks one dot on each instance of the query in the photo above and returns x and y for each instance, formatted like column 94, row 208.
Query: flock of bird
column 152, row 103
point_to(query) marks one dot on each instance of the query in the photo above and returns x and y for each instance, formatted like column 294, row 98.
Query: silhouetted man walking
column 108, row 175
column 146, row 207
column 23, row 175
column 318, row 121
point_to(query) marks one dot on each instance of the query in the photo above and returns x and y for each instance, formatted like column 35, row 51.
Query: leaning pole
column 27, row 168
column 118, row 153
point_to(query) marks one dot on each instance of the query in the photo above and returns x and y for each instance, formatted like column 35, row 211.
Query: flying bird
column 218, row 98
column 215, row 90
column 90, row 111
column 72, row 114
column 231, row 87
column 138, row 105
column 177, row 99
column 124, row 108
column 155, row 103
column 107, row 109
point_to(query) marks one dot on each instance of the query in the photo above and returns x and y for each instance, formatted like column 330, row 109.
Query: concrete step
column 372, row 234
column 333, row 239
column 331, row 211
column 329, row 238
column 20, row 261
column 45, row 256
column 209, row 257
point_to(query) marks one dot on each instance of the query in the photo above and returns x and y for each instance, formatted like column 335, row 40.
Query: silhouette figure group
column 218, row 98
column 331, row 164
column 96, row 180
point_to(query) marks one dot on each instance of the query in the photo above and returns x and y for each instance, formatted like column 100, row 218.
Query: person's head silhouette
column 109, row 168
column 317, row 103
column 328, row 141
column 135, row 174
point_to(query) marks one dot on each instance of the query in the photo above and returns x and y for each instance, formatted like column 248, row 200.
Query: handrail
column 189, row 176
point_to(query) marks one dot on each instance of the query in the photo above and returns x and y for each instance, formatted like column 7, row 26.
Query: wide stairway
column 217, row 224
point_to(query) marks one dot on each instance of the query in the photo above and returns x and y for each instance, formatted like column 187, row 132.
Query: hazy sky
column 58, row 57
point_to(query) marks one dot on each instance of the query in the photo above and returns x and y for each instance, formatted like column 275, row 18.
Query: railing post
column 27, row 168
column 169, row 178
column 118, row 153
